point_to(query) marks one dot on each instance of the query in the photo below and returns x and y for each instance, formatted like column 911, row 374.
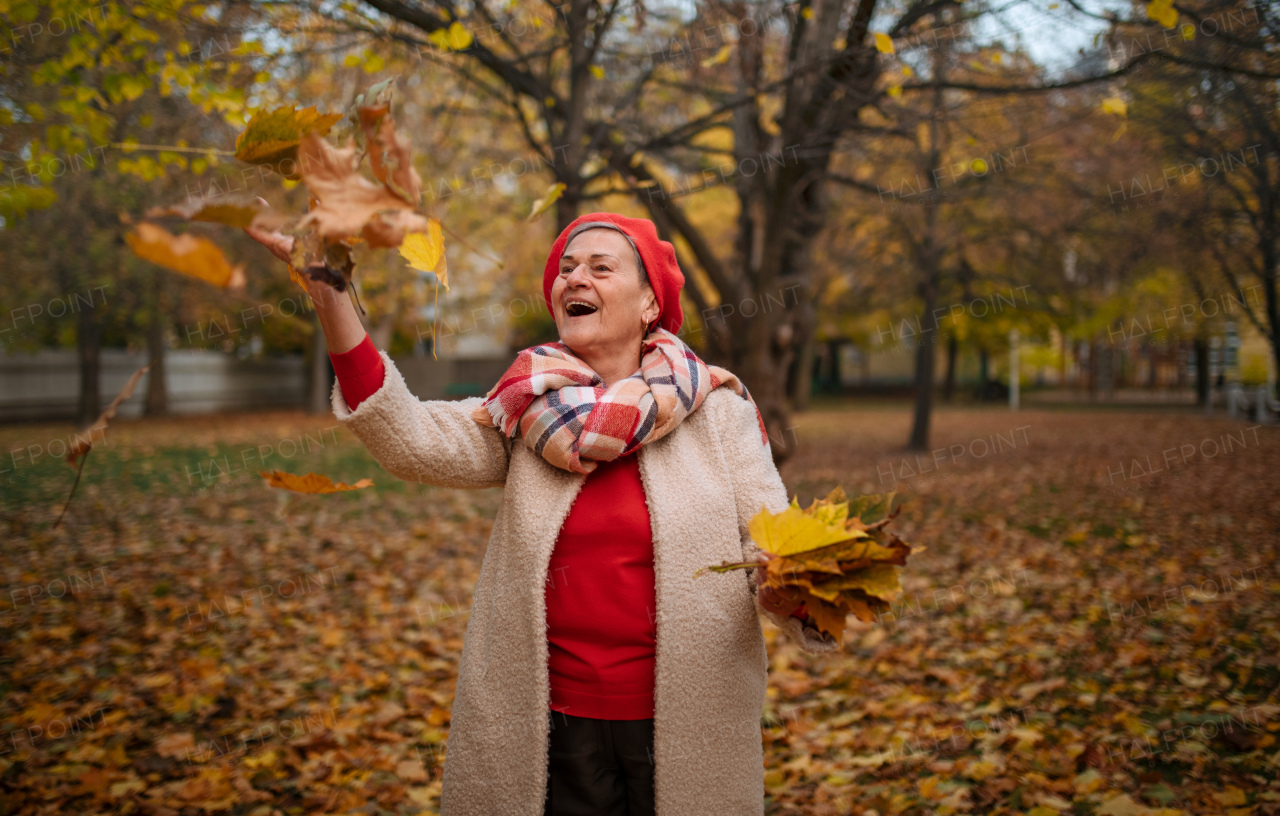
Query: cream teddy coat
column 703, row 482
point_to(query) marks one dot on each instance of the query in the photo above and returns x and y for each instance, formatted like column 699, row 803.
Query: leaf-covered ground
column 1092, row 629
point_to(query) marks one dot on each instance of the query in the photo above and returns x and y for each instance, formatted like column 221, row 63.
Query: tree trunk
column 1202, row 370
column 320, row 386
column 157, row 402
column 89, row 352
column 949, row 385
column 833, row 351
column 802, row 381
column 924, row 376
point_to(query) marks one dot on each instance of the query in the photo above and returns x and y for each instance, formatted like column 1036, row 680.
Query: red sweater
column 600, row 598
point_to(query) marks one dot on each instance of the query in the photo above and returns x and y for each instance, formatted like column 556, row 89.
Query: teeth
column 579, row 308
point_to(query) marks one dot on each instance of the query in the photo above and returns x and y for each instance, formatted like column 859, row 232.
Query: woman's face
column 598, row 301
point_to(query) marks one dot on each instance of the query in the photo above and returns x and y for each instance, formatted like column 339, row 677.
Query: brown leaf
column 411, row 771
column 188, row 254
column 81, row 445
column 221, row 210
column 389, row 155
column 347, row 203
column 310, row 483
column 176, row 746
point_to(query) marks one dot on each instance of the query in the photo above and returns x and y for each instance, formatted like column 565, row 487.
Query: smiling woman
column 595, row 673
column 603, row 305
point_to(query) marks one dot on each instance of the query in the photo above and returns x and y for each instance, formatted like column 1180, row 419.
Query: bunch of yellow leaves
column 835, row 557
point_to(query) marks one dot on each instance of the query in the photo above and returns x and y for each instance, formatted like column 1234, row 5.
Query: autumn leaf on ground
column 310, row 483
column 188, row 254
column 425, row 251
column 272, row 137
column 548, row 198
column 836, row 557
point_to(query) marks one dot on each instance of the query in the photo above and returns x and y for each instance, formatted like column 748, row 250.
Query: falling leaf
column 548, row 198
column 272, row 138
column 884, row 43
column 425, row 251
column 310, row 483
column 81, row 445
column 347, row 203
column 223, row 211
column 188, row 254
column 597, row 72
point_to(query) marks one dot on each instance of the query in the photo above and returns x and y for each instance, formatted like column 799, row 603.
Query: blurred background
column 1017, row 260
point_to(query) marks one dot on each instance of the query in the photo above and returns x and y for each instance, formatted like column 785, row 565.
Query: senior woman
column 597, row 676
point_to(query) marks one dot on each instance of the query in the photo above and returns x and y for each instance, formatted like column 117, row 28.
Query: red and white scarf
column 566, row 414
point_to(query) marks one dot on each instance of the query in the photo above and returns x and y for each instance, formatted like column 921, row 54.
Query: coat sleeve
column 435, row 442
column 756, row 484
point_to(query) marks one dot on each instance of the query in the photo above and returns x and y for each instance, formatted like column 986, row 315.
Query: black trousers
column 599, row 767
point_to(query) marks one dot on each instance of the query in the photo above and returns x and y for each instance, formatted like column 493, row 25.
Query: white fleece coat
column 703, row 482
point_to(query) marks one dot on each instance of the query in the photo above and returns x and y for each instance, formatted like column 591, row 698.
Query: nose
column 577, row 276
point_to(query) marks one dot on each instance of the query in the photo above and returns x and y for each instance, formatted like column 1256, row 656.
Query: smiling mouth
column 579, row 308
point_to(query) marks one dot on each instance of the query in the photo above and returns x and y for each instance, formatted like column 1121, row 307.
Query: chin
column 578, row 337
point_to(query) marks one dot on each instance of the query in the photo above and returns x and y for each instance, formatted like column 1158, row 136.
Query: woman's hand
column 281, row 245
column 342, row 328
column 771, row 599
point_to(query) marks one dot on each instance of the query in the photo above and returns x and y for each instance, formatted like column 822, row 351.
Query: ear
column 650, row 311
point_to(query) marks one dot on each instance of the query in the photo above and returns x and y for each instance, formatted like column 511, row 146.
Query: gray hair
column 583, row 227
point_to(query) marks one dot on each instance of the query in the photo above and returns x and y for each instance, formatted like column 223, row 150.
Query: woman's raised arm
column 435, row 442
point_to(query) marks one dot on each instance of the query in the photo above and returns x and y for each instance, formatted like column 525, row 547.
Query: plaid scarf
column 566, row 415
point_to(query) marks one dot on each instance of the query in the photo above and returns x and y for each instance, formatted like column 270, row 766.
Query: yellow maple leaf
column 884, row 43
column 794, row 531
column 425, row 251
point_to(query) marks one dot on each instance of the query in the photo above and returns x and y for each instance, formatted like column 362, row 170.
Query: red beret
column 659, row 259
